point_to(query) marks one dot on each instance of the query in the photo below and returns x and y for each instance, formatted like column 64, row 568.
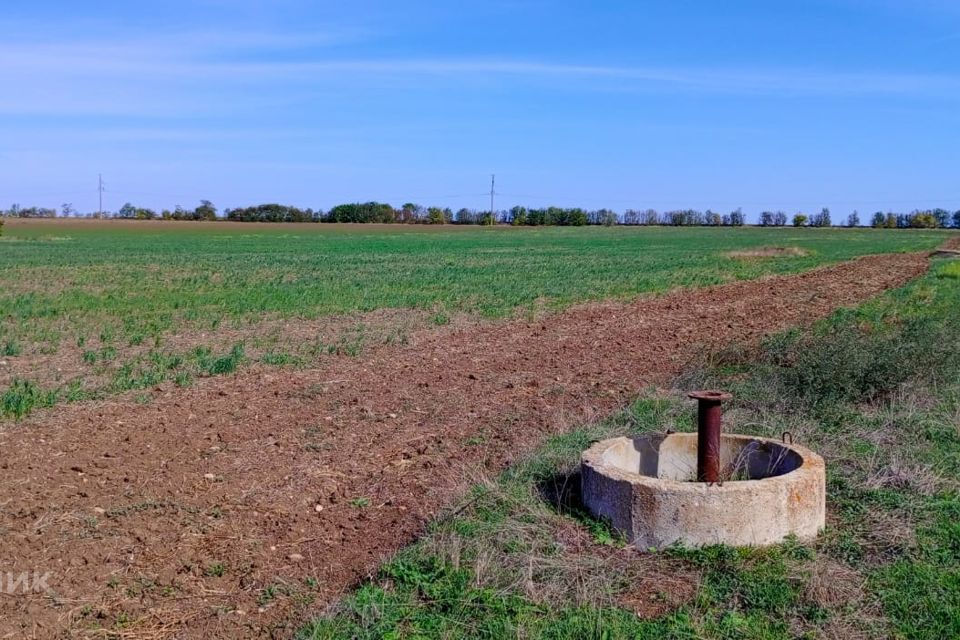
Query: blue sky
column 765, row 105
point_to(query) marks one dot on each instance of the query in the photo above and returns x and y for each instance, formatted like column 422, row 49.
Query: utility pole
column 492, row 180
column 100, row 191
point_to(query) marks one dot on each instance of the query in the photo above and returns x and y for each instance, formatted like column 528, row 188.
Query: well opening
column 674, row 457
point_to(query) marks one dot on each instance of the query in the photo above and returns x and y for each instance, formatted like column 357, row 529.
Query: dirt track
column 282, row 476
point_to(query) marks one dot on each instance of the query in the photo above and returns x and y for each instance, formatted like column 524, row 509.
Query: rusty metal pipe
column 709, row 427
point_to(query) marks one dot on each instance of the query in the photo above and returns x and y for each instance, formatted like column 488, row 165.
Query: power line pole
column 100, row 191
column 492, row 180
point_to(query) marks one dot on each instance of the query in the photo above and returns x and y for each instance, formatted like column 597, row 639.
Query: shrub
column 853, row 364
column 852, row 357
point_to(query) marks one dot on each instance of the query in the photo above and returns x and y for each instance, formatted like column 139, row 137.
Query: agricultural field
column 216, row 430
column 97, row 308
column 875, row 389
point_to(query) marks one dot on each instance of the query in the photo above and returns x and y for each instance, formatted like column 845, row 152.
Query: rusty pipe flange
column 710, row 395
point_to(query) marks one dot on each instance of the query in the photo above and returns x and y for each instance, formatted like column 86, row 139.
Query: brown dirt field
column 277, row 477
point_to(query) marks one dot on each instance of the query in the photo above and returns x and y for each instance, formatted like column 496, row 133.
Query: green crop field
column 95, row 307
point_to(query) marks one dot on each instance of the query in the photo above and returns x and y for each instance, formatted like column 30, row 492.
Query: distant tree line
column 932, row 219
column 16, row 211
column 411, row 213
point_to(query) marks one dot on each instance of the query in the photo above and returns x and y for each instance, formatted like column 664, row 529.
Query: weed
column 23, row 396
column 476, row 440
column 222, row 365
column 268, row 594
column 183, row 379
column 10, row 349
column 279, row 359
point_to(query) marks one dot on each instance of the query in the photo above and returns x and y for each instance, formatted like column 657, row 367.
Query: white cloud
column 200, row 72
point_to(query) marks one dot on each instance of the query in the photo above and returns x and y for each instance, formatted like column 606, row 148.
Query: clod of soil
column 768, row 252
column 198, row 515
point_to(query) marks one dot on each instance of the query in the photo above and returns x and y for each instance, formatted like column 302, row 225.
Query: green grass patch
column 22, row 397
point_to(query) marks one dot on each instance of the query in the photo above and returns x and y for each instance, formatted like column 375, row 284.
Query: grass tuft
column 23, row 396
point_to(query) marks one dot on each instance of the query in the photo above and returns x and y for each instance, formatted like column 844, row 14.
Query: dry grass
column 769, row 252
column 551, row 559
column 833, row 585
column 917, row 477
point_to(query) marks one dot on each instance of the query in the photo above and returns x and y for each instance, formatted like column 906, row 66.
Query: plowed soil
column 242, row 506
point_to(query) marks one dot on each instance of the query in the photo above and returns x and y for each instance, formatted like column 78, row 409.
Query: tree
column 821, row 219
column 853, row 220
column 366, row 212
column 650, row 217
column 956, row 219
column 265, row 213
column 436, row 215
column 780, row 219
column 766, row 219
column 577, row 218
column 942, row 216
column 206, row 211
column 127, row 211
column 16, row 211
column 879, row 220
column 712, row 218
column 606, row 217
column 923, row 220
column 799, row 220
column 407, row 213
column 518, row 216
column 736, row 217
column 67, row 210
